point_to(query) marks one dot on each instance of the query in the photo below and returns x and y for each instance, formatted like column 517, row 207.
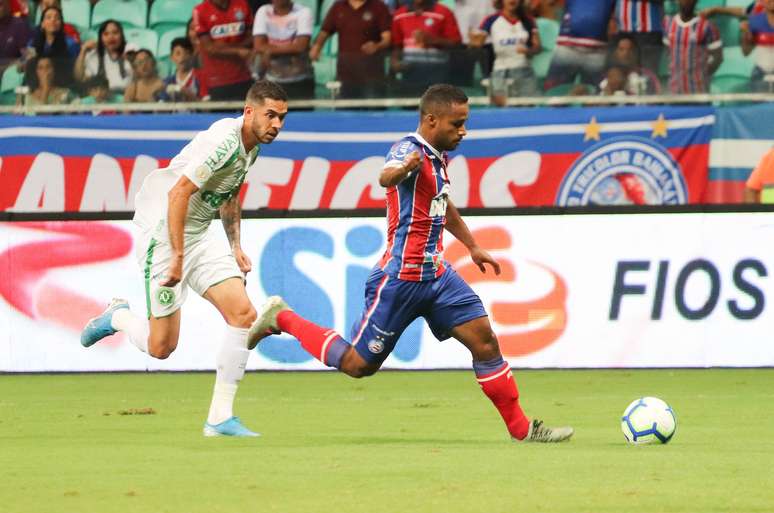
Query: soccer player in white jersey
column 174, row 208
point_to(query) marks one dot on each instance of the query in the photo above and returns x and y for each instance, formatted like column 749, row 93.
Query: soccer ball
column 648, row 420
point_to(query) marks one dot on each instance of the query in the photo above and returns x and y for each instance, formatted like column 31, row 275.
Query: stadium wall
column 329, row 160
column 603, row 290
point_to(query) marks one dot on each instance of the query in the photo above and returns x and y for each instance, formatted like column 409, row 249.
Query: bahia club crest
column 623, row 171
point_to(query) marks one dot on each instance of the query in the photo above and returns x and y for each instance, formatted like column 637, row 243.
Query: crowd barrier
column 601, row 291
column 563, row 156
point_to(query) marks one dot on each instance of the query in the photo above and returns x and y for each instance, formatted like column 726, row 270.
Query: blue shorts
column 392, row 304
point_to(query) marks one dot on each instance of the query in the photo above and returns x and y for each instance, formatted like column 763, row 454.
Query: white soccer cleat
column 266, row 322
column 540, row 433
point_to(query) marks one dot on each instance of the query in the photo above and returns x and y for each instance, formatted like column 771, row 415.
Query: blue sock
column 336, row 352
column 483, row 368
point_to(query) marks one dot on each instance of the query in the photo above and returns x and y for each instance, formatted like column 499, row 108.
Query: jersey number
column 216, row 199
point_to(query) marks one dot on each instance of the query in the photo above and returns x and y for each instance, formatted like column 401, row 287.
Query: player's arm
column 177, row 209
column 231, row 217
column 218, row 49
column 457, row 227
column 397, row 171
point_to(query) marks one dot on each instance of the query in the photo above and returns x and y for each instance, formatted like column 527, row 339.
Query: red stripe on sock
column 504, row 394
column 311, row 336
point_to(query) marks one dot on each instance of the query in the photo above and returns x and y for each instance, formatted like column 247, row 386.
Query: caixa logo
column 694, row 286
column 281, row 272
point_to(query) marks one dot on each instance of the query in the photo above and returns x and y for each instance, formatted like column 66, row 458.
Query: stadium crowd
column 63, row 51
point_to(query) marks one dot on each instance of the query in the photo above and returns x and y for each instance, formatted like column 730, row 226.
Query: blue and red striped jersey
column 690, row 43
column 639, row 15
column 416, row 213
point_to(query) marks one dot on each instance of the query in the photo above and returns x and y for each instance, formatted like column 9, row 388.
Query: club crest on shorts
column 376, row 346
column 624, row 171
column 166, row 296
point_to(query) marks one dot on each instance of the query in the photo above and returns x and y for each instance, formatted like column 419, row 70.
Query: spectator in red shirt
column 223, row 28
column 364, row 33
column 422, row 33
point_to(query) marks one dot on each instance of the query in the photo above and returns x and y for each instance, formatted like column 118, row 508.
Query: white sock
column 230, row 362
column 135, row 327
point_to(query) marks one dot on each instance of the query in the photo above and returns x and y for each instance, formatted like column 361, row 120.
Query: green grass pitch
column 396, row 442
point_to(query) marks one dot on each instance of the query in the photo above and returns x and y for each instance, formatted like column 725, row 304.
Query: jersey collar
column 427, row 144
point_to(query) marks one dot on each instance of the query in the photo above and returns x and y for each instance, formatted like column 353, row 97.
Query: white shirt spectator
column 116, row 80
column 280, row 29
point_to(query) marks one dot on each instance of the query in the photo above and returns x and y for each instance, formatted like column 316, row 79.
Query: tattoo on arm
column 231, row 216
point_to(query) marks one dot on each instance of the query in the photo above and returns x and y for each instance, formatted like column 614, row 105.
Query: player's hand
column 411, row 162
column 174, row 273
column 243, row 261
column 481, row 256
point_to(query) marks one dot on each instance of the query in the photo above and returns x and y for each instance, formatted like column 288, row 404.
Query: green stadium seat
column 729, row 29
column 143, row 38
column 164, row 66
column 560, row 90
column 549, row 31
column 132, row 13
column 165, row 13
column 165, row 40
column 448, row 3
column 331, row 47
column 88, row 34
column 738, row 3
column 324, row 69
column 735, row 63
column 730, row 84
column 703, row 4
column 541, row 62
column 11, row 79
column 77, row 12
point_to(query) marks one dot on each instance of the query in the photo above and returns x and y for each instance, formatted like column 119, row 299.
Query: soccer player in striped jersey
column 412, row 280
column 695, row 48
column 174, row 208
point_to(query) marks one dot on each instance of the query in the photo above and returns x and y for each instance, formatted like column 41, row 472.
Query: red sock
column 313, row 338
column 500, row 388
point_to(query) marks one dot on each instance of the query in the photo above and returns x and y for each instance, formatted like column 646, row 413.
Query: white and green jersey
column 216, row 161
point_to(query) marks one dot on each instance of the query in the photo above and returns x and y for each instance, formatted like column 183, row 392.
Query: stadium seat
column 11, row 79
column 324, row 69
column 541, row 62
column 165, row 40
column 735, row 63
column 549, row 31
column 738, row 3
column 132, row 13
column 703, row 4
column 331, row 47
column 164, row 66
column 560, row 90
column 165, row 13
column 448, row 3
column 88, row 34
column 730, row 84
column 77, row 12
column 143, row 38
column 729, row 29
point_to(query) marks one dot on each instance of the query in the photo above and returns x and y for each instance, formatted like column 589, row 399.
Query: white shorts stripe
column 490, row 378
column 371, row 310
column 331, row 335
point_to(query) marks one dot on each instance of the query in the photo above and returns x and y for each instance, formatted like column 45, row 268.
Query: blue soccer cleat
column 100, row 327
column 229, row 427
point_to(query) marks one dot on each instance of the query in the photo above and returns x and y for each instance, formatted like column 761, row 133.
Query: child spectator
column 363, row 27
column 97, row 91
column 41, row 80
column 515, row 39
column 146, row 84
column 105, row 57
column 695, row 49
column 758, row 35
column 183, row 83
column 281, row 35
column 50, row 40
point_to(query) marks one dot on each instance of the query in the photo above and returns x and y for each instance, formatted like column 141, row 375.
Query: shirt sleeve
column 200, row 24
column 712, row 37
column 260, row 25
column 213, row 151
column 398, row 153
column 305, row 24
column 329, row 23
column 383, row 19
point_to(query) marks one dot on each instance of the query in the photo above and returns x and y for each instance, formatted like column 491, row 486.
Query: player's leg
column 215, row 275
column 388, row 310
column 458, row 312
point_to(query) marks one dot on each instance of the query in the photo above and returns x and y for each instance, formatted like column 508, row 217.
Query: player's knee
column 160, row 352
column 242, row 317
column 362, row 371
